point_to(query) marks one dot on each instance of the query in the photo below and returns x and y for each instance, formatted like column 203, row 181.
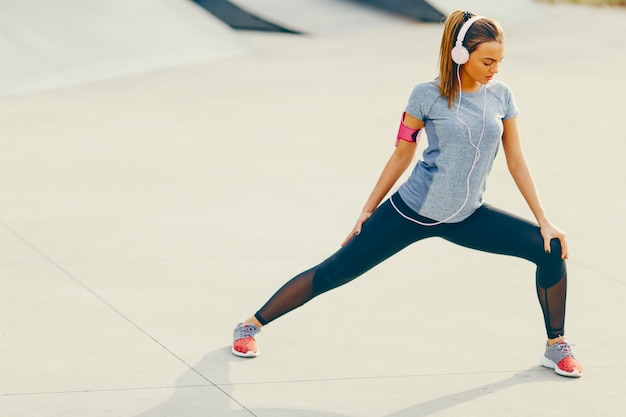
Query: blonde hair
column 482, row 30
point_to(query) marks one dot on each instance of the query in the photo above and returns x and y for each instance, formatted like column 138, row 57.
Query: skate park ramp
column 325, row 17
column 321, row 16
column 415, row 9
column 53, row 44
column 239, row 18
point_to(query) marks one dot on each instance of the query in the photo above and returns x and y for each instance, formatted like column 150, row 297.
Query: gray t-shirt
column 438, row 186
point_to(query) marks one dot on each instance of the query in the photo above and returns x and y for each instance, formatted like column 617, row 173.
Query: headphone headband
column 465, row 28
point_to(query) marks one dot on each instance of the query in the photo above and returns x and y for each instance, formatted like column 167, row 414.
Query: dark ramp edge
column 414, row 9
column 237, row 18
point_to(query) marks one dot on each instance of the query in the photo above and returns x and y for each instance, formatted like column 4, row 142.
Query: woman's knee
column 332, row 274
column 551, row 267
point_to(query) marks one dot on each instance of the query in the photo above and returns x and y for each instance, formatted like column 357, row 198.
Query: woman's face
column 482, row 65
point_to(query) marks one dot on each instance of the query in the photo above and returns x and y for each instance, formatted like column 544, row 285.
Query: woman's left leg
column 496, row 231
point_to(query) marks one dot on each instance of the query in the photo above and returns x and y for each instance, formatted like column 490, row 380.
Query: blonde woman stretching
column 466, row 115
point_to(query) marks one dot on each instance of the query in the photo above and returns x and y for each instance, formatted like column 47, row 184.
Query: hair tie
column 467, row 16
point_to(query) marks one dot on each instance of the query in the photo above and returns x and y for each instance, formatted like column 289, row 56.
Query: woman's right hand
column 356, row 230
column 396, row 165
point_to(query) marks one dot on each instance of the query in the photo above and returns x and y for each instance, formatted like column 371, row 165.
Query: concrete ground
column 142, row 216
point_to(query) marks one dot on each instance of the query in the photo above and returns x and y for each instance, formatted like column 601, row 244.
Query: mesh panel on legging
column 293, row 294
column 552, row 302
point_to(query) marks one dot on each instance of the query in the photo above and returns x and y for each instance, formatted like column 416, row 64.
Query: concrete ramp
column 62, row 42
column 414, row 9
column 246, row 15
column 322, row 17
column 239, row 18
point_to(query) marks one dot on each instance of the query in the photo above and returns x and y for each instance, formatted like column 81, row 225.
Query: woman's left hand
column 549, row 232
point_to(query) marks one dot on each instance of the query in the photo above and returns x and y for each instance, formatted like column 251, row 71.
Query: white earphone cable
column 476, row 157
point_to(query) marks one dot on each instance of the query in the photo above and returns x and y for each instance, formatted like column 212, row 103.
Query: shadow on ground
column 219, row 400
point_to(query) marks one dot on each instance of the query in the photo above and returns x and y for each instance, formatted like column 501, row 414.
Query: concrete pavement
column 143, row 216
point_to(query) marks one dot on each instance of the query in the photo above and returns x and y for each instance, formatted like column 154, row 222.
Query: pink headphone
column 460, row 54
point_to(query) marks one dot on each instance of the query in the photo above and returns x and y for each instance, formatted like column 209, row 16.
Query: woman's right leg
column 383, row 234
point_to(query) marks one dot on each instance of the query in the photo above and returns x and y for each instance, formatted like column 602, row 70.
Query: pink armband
column 407, row 134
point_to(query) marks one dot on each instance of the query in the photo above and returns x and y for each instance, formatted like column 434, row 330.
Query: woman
column 465, row 115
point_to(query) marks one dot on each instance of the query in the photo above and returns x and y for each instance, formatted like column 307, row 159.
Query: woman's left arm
column 518, row 167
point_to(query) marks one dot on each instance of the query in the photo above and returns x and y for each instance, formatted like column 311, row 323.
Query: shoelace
column 565, row 348
column 247, row 330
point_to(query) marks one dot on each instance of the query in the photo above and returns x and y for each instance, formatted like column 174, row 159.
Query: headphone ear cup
column 460, row 54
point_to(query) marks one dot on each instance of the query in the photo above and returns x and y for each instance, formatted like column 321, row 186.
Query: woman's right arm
column 395, row 167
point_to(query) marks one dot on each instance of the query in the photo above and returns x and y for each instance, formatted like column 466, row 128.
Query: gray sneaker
column 244, row 344
column 559, row 357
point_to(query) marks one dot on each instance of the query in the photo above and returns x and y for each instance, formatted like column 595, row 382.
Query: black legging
column 386, row 232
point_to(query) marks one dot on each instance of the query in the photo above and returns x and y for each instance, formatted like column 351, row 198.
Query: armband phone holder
column 406, row 133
